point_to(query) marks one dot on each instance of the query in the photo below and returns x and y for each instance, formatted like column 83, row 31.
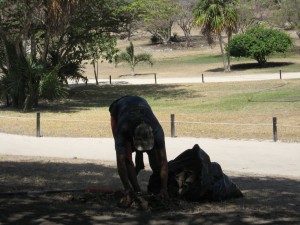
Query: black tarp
column 193, row 177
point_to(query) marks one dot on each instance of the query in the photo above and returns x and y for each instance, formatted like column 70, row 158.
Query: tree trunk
column 132, row 71
column 7, row 100
column 132, row 65
column 128, row 28
column 222, row 51
column 97, row 82
column 96, row 71
column 33, row 47
column 21, row 61
column 164, row 37
column 5, row 46
column 228, row 53
column 46, row 47
column 187, row 38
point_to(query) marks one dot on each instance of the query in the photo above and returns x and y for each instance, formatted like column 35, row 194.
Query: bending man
column 136, row 129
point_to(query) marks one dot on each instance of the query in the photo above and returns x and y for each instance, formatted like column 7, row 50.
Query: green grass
column 286, row 62
column 221, row 110
column 196, row 59
column 234, row 97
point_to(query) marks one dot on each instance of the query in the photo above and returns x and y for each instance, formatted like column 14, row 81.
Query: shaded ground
column 255, row 65
column 268, row 200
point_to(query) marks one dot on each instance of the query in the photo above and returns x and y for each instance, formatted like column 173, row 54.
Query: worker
column 136, row 129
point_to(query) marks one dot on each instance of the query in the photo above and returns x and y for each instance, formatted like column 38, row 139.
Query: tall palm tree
column 133, row 59
column 230, row 26
column 214, row 17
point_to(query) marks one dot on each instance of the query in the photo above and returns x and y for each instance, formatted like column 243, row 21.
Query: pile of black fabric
column 193, row 177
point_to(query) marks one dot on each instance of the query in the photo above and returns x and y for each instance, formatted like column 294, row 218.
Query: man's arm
column 113, row 123
column 127, row 198
column 122, row 170
column 127, row 173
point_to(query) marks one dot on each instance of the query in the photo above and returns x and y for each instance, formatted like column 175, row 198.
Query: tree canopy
column 55, row 36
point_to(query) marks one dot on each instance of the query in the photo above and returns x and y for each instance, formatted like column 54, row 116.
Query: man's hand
column 127, row 198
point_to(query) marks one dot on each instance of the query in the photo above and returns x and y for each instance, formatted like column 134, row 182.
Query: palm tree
column 215, row 16
column 230, row 26
column 133, row 59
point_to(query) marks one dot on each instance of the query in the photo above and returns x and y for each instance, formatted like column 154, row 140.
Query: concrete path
column 206, row 79
column 258, row 157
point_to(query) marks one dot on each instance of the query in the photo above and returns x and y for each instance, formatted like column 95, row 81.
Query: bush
column 155, row 39
column 175, row 38
column 258, row 43
column 51, row 87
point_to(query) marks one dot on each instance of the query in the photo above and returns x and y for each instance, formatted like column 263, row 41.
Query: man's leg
column 154, row 183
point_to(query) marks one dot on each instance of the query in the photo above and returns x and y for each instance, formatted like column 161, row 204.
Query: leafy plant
column 258, row 43
column 51, row 87
column 155, row 39
column 132, row 59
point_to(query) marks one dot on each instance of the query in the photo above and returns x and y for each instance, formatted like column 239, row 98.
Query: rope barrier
column 176, row 122
column 234, row 124
column 75, row 120
column 11, row 117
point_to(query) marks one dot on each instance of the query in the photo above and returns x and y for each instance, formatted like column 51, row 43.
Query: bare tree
column 158, row 17
column 287, row 15
column 185, row 18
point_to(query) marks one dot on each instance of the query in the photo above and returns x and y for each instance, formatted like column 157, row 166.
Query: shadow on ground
column 268, row 200
column 82, row 97
column 249, row 66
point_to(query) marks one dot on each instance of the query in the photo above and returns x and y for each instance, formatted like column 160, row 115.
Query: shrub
column 155, row 39
column 175, row 38
column 258, row 43
column 51, row 87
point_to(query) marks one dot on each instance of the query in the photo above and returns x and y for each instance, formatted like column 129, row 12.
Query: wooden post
column 109, row 79
column 280, row 74
column 155, row 78
column 275, row 129
column 202, row 78
column 172, row 125
column 38, row 124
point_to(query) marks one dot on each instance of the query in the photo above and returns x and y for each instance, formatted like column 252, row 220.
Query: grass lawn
column 177, row 61
column 240, row 110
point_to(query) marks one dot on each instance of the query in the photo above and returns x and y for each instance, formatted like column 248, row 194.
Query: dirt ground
column 93, row 197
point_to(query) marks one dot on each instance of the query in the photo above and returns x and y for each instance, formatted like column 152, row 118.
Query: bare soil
column 268, row 200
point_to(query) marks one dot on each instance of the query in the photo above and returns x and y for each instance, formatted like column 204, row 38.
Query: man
column 136, row 129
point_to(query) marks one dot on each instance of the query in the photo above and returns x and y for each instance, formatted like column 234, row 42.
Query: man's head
column 143, row 138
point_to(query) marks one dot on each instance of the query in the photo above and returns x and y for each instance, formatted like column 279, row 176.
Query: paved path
column 259, row 157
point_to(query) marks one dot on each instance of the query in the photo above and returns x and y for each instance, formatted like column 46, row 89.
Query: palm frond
column 144, row 57
column 132, row 59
